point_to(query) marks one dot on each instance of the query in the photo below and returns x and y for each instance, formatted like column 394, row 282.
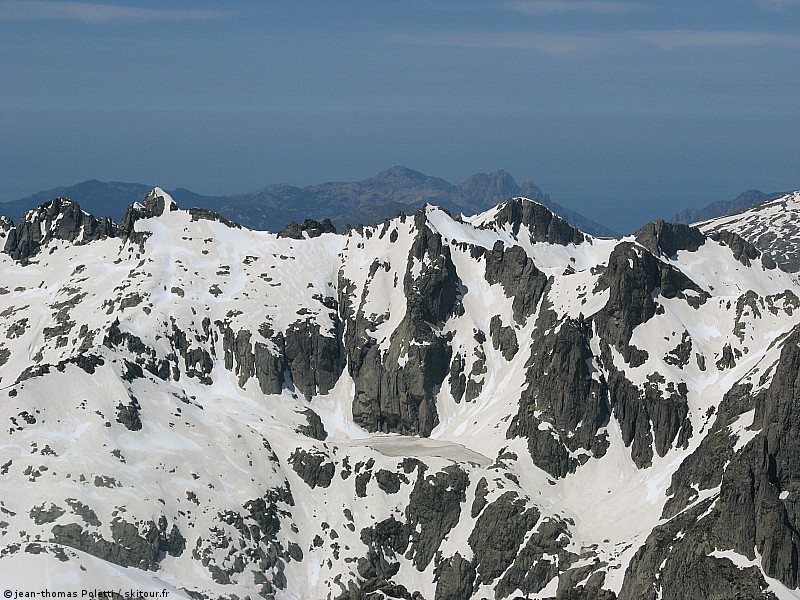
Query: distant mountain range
column 364, row 202
column 723, row 207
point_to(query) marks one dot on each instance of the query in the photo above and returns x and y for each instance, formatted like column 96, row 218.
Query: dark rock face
column 743, row 251
column 314, row 429
column 83, row 511
column 632, row 277
column 586, row 592
column 249, row 360
column 648, row 417
column 680, row 355
column 129, row 416
column 454, row 579
column 371, row 587
column 388, row 481
column 498, row 534
column 142, row 547
column 310, row 227
column 209, row 215
column 703, row 469
column 431, row 295
column 467, row 386
column 636, row 278
column 154, row 205
column 727, row 361
column 514, row 548
column 312, row 468
column 531, row 572
column 544, row 226
column 750, row 499
column 563, row 406
column 395, row 393
column 385, row 542
column 754, row 510
column 41, row 515
column 660, row 237
column 313, row 358
column 145, row 356
column 58, row 219
column 504, row 339
column 672, row 567
column 514, row 270
column 197, row 360
column 434, row 508
column 457, row 380
column 583, row 583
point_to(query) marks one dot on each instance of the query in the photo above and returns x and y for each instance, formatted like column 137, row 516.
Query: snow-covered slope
column 494, row 407
column 771, row 226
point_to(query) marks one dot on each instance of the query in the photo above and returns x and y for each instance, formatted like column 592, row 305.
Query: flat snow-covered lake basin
column 404, row 445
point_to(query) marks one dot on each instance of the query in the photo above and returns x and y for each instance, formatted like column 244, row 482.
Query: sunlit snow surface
column 201, row 447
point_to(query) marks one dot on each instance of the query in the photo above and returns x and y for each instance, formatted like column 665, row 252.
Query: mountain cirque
column 498, row 406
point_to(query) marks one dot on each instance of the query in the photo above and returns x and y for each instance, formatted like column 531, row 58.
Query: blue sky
column 625, row 111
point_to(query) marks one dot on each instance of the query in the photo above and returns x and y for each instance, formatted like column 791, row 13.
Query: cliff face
column 497, row 406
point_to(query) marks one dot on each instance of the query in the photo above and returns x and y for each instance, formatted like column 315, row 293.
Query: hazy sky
column 622, row 110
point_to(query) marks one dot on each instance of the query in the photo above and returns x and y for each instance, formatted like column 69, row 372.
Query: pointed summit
column 155, row 203
column 543, row 224
column 158, row 201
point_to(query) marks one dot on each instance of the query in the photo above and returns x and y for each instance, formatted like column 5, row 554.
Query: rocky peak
column 743, row 251
column 155, row 203
column 661, row 237
column 432, row 293
column 50, row 210
column 60, row 219
column 542, row 223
